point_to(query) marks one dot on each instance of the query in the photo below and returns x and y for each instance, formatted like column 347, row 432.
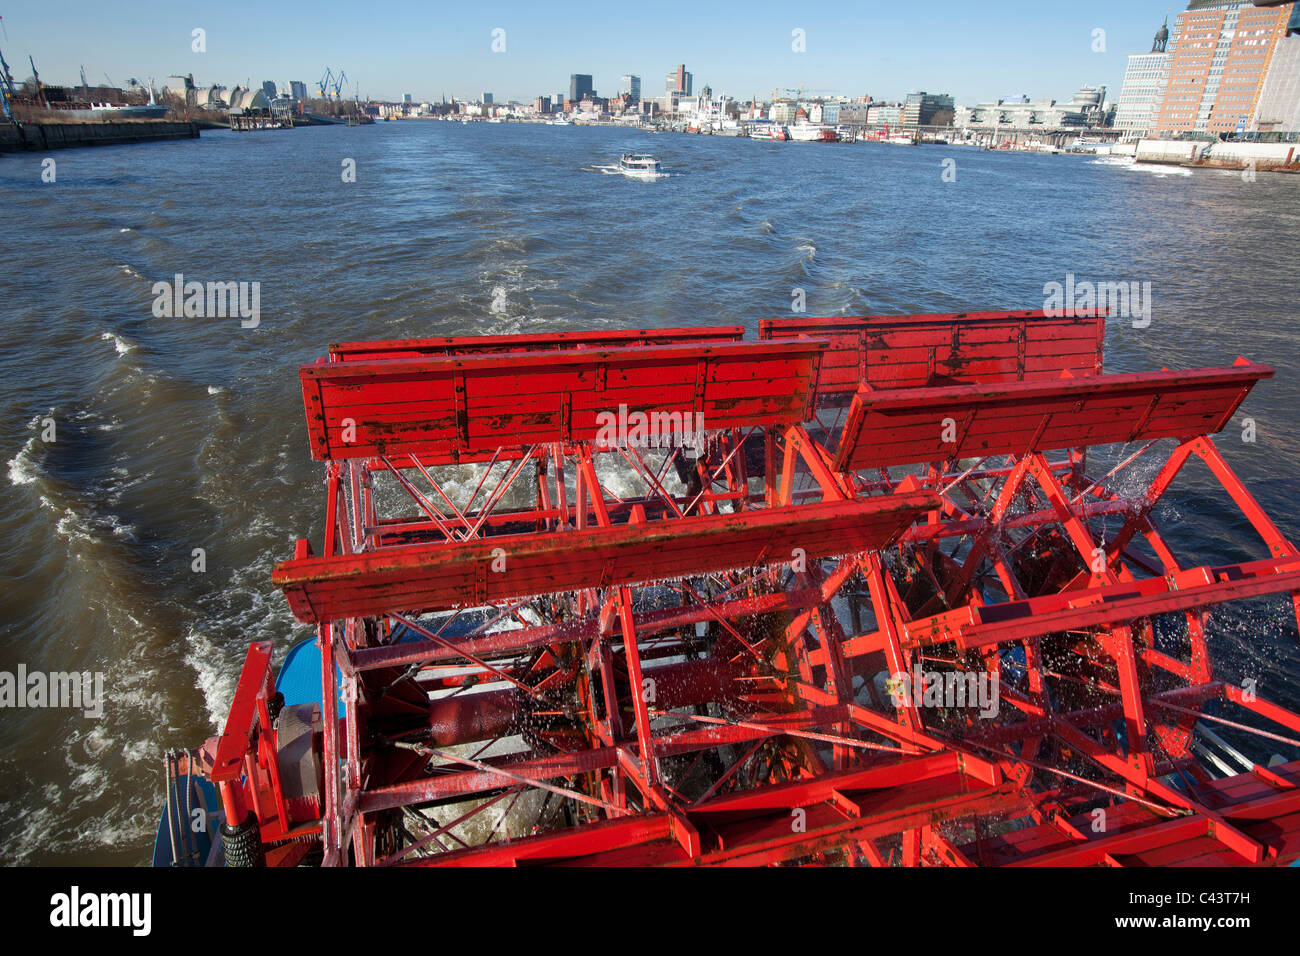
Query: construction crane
column 6, row 89
column 324, row 86
column 40, row 90
column 800, row 91
column 339, row 79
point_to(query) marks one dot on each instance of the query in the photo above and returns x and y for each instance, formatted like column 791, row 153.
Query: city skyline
column 883, row 50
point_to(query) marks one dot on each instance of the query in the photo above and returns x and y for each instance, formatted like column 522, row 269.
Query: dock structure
column 847, row 593
column 20, row 137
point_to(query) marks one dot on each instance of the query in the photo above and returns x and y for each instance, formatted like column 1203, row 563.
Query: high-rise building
column 268, row 87
column 487, row 99
column 406, row 97
column 1220, row 52
column 783, row 111
column 679, row 81
column 1144, row 88
column 630, row 87
column 298, row 89
column 580, row 87
column 921, row 109
column 1278, row 110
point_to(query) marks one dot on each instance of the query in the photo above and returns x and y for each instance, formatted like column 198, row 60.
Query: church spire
column 1162, row 37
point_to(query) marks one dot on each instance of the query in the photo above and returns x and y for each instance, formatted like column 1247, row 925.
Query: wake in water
column 1128, row 162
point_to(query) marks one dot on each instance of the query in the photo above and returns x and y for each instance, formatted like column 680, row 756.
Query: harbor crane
column 40, row 90
column 6, row 89
column 332, row 81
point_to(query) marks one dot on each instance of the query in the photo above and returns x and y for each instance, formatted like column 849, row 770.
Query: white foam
column 1157, row 169
column 22, row 469
column 1128, row 162
column 119, row 343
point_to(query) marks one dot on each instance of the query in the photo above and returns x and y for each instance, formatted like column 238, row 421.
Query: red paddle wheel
column 847, row 593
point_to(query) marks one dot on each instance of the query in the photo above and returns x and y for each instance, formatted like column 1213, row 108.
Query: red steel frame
column 679, row 664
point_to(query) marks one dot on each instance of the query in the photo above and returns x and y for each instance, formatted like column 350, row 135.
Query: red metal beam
column 444, row 408
column 974, row 626
column 235, row 743
column 443, row 576
column 906, row 426
column 532, row 342
column 910, row 351
column 738, row 830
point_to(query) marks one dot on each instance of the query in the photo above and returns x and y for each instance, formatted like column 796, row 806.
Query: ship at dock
column 813, row 133
column 772, row 131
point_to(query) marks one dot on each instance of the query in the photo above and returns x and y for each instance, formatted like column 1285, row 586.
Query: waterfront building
column 853, row 114
column 211, row 98
column 1091, row 102
column 298, row 90
column 268, row 87
column 783, row 111
column 1087, row 109
column 1220, row 52
column 1143, row 92
column 244, row 100
column 181, row 87
column 884, row 114
column 630, row 88
column 923, row 109
column 542, row 104
column 1278, row 109
column 1038, row 116
column 824, row 113
column 580, row 87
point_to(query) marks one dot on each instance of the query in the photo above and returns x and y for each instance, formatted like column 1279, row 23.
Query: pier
column 42, row 136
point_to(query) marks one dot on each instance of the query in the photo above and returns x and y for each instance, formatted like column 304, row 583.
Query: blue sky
column 976, row 51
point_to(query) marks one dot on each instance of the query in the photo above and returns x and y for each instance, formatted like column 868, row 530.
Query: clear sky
column 976, row 51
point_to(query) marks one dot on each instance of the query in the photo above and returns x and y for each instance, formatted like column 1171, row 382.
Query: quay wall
column 43, row 136
column 1261, row 155
column 1174, row 152
column 1230, row 155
